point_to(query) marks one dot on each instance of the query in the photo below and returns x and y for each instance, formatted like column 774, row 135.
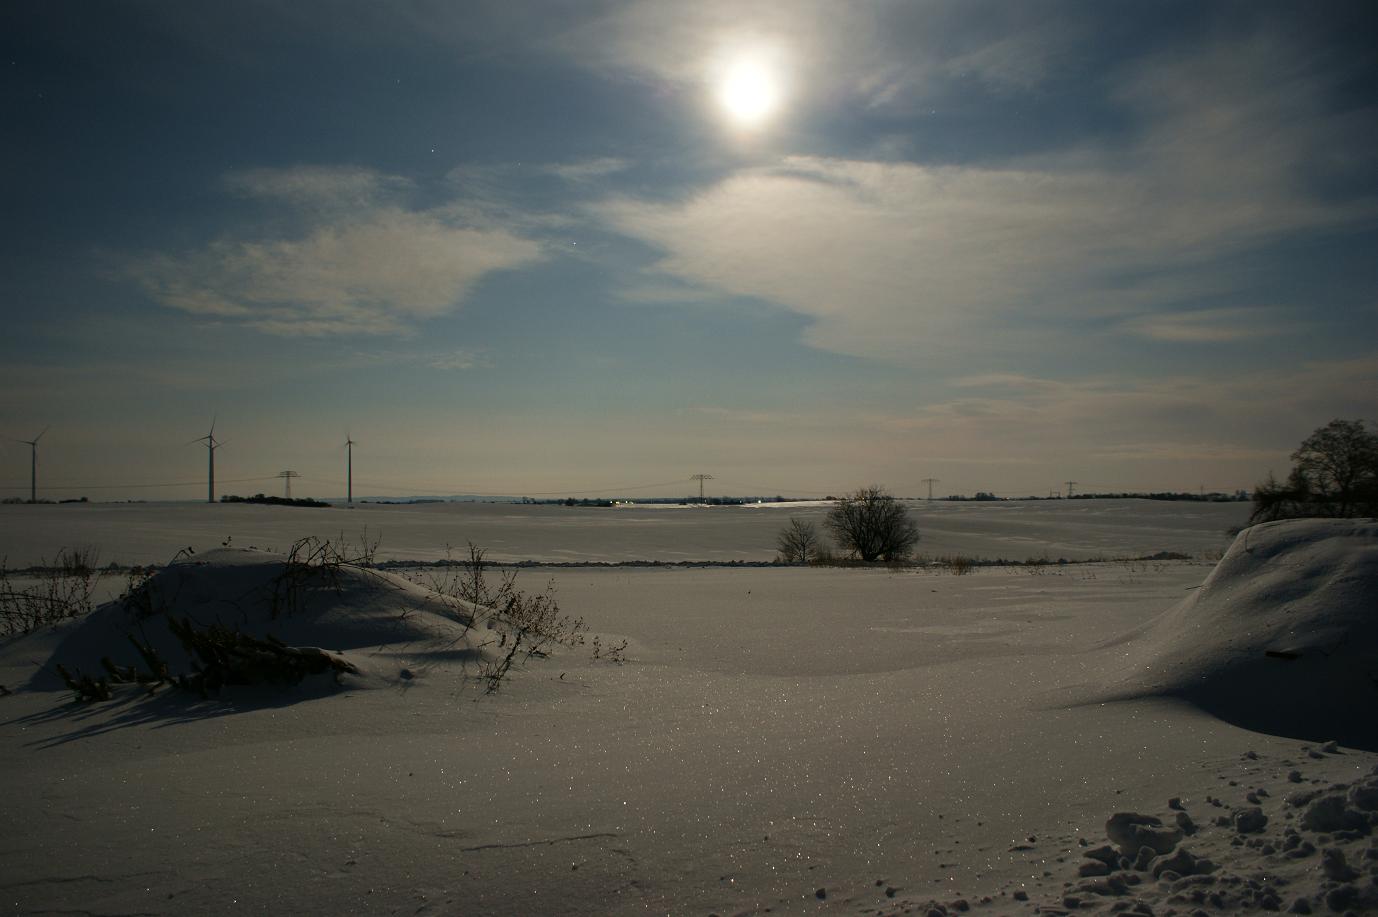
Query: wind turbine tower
column 33, row 465
column 349, row 469
column 211, row 445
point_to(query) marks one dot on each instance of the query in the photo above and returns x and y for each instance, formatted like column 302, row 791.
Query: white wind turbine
column 349, row 469
column 33, row 465
column 211, row 445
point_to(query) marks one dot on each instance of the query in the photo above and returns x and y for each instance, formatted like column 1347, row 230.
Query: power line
column 61, row 486
column 763, row 489
column 395, row 487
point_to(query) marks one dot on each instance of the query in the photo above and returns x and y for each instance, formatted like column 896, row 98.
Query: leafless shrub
column 228, row 657
column 527, row 624
column 799, row 542
column 86, row 687
column 615, row 653
column 62, row 590
column 316, row 563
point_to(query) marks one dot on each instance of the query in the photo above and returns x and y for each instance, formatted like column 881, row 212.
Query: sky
column 549, row 248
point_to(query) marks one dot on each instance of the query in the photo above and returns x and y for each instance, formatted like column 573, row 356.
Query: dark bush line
column 273, row 501
column 916, row 563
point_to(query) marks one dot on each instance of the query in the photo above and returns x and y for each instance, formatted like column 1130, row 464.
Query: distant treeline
column 14, row 500
column 272, row 501
column 677, row 501
column 413, row 501
column 1239, row 496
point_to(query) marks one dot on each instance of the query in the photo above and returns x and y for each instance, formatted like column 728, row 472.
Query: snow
column 378, row 622
column 146, row 533
column 894, row 740
column 1281, row 637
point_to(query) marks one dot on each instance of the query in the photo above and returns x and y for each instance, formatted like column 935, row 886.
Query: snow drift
column 1281, row 638
column 382, row 627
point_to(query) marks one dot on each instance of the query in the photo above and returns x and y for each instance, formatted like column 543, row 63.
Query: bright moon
column 749, row 92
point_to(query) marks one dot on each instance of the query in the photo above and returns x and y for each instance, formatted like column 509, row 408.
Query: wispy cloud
column 1236, row 422
column 901, row 260
column 458, row 360
column 312, row 186
column 360, row 266
column 589, row 169
column 450, row 360
column 1211, row 326
column 886, row 55
column 748, row 417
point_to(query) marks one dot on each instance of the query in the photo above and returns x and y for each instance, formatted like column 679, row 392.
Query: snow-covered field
column 144, row 533
column 791, row 741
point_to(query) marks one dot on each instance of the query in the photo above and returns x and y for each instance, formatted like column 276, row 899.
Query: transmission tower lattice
column 930, row 482
column 1070, row 485
column 700, row 478
column 287, row 476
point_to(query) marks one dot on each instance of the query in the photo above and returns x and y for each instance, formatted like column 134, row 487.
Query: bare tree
column 799, row 542
column 873, row 525
column 1334, row 473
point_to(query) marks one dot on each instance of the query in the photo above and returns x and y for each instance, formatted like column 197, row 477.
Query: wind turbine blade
column 40, row 436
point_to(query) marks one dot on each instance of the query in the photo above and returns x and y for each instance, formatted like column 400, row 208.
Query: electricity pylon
column 1070, row 485
column 288, row 476
column 930, row 482
column 700, row 478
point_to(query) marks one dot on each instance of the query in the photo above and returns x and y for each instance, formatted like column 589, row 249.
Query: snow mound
column 388, row 629
column 1281, row 638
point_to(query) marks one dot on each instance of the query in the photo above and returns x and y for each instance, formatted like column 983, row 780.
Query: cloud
column 750, row 418
column 359, row 267
column 313, row 186
column 886, row 257
column 1013, row 63
column 1236, row 421
column 877, row 55
column 589, row 169
column 450, row 360
column 907, row 261
column 459, row 360
column 1210, row 326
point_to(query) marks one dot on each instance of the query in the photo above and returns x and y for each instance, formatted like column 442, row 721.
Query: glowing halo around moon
column 750, row 91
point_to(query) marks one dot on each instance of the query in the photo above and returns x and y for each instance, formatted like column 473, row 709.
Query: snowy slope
column 1282, row 637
